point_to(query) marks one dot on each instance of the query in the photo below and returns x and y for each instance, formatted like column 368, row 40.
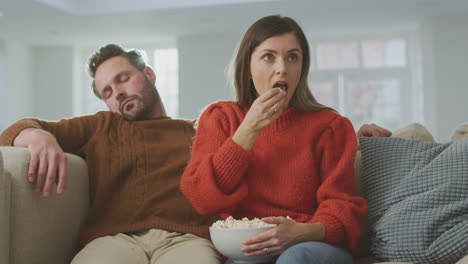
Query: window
column 163, row 61
column 368, row 80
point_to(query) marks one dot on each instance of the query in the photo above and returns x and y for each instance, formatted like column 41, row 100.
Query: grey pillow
column 418, row 199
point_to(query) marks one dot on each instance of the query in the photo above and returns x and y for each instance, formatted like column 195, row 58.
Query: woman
column 276, row 152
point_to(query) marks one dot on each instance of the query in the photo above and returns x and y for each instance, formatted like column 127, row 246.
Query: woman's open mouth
column 282, row 85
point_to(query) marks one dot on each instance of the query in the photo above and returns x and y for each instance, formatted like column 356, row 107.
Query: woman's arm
column 45, row 142
column 340, row 209
column 214, row 179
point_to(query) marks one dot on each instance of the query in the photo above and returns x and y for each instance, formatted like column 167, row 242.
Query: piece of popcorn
column 230, row 222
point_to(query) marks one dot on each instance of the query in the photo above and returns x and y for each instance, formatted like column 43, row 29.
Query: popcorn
column 230, row 222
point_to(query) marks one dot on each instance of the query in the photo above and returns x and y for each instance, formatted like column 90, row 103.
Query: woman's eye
column 268, row 57
column 124, row 78
column 293, row 57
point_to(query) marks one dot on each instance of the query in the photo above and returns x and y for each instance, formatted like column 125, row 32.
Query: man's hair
column 109, row 51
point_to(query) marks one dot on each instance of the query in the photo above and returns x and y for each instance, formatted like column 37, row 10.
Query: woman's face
column 277, row 62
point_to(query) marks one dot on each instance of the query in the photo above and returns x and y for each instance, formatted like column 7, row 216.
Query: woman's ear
column 150, row 74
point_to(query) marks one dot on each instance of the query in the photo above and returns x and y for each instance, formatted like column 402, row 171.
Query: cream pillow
column 460, row 132
column 414, row 131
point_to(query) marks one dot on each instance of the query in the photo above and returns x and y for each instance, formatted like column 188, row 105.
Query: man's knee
column 110, row 249
column 190, row 249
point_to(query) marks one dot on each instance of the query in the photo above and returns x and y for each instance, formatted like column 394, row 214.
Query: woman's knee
column 316, row 253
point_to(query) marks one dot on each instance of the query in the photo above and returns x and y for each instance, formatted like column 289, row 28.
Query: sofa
column 45, row 230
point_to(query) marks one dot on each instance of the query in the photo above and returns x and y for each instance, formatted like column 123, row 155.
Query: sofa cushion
column 418, row 203
column 412, row 131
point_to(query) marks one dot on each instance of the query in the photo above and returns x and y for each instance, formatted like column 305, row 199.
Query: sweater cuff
column 334, row 230
column 231, row 161
column 8, row 136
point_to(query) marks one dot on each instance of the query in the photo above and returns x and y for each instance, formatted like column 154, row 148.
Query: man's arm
column 48, row 163
column 47, row 142
column 373, row 130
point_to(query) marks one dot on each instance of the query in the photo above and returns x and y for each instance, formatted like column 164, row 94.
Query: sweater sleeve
column 71, row 134
column 213, row 180
column 340, row 209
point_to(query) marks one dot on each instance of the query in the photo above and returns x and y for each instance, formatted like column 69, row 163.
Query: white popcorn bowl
column 228, row 242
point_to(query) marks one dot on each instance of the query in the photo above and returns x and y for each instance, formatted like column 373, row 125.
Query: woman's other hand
column 285, row 234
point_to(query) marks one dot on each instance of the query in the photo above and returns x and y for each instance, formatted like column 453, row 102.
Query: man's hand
column 48, row 164
column 373, row 130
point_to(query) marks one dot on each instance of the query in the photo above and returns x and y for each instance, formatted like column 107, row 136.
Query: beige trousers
column 153, row 246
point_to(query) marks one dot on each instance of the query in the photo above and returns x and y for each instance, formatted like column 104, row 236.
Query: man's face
column 126, row 90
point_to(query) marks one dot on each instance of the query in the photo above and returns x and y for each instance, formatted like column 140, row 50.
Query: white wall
column 53, row 81
column 19, row 81
column 446, row 74
column 203, row 60
column 40, row 78
column 3, row 85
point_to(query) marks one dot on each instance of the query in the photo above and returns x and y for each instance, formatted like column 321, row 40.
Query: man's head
column 124, row 82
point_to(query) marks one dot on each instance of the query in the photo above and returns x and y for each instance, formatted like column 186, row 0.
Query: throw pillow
column 418, row 199
column 460, row 132
column 411, row 131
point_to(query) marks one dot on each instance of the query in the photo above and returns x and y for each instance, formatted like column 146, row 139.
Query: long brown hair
column 261, row 30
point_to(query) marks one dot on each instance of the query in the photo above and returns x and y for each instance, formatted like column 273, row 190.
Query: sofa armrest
column 44, row 230
column 5, row 185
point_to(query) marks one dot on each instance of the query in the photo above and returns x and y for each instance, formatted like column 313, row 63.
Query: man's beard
column 148, row 99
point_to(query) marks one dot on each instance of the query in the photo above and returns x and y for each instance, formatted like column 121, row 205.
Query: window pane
column 374, row 102
column 396, row 53
column 338, row 55
column 325, row 93
column 312, row 59
column 166, row 66
column 384, row 53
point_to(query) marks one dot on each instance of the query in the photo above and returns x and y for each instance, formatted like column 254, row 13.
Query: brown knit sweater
column 134, row 171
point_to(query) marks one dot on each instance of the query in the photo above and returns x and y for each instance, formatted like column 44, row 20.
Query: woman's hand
column 286, row 234
column 264, row 111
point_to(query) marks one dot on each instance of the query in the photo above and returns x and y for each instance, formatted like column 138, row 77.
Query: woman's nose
column 280, row 67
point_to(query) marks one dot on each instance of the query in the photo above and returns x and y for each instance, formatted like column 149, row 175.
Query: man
column 135, row 155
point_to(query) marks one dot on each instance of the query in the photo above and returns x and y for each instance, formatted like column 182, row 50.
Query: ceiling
column 72, row 20
column 92, row 7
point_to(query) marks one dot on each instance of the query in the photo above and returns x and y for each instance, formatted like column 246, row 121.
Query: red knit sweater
column 301, row 166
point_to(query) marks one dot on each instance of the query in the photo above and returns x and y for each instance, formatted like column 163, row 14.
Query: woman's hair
column 261, row 30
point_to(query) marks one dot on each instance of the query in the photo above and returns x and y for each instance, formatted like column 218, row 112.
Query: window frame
column 411, row 97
